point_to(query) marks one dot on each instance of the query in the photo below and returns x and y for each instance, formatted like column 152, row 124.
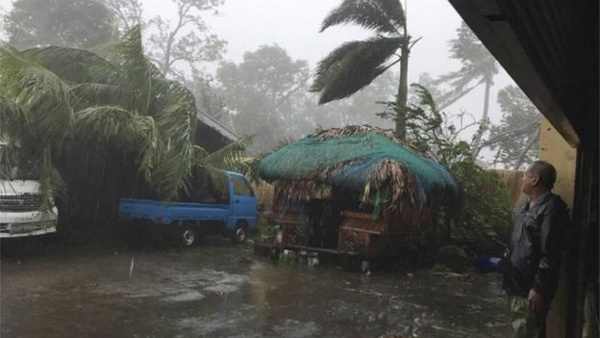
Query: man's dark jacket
column 537, row 242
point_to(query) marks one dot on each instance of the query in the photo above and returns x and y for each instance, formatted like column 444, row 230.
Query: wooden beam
column 498, row 36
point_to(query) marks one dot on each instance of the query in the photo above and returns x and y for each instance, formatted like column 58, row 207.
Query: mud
column 221, row 290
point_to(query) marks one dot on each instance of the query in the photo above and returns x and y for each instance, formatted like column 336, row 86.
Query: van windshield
column 19, row 168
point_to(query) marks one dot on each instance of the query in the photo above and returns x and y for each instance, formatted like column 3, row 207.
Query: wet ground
column 221, row 290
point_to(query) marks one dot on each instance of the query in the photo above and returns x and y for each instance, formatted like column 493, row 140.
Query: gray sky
column 294, row 25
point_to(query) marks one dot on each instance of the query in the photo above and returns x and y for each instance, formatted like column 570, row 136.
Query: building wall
column 555, row 150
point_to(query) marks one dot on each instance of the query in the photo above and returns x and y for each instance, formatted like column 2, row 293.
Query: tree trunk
column 484, row 117
column 402, row 93
column 166, row 66
column 531, row 141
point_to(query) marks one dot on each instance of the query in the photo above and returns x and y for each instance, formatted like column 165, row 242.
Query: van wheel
column 240, row 232
column 186, row 236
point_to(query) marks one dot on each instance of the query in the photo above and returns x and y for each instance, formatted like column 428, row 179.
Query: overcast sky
column 295, row 24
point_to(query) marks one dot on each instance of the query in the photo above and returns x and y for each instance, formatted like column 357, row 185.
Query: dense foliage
column 266, row 95
column 485, row 214
column 101, row 125
column 513, row 142
column 70, row 23
column 176, row 46
column 355, row 64
column 478, row 66
column 516, row 139
column 262, row 92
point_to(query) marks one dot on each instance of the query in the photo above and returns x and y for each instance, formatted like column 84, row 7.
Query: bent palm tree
column 478, row 67
column 35, row 118
column 110, row 123
column 356, row 64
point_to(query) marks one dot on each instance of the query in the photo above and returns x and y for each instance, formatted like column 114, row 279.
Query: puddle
column 208, row 292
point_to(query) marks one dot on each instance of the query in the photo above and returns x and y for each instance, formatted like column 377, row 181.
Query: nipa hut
column 354, row 190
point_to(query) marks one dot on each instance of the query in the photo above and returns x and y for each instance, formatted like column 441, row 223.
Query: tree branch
column 526, row 149
column 510, row 133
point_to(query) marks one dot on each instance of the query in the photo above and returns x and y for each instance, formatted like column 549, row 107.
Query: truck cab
column 21, row 202
column 197, row 214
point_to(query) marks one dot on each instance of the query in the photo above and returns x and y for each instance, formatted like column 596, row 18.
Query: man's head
column 539, row 177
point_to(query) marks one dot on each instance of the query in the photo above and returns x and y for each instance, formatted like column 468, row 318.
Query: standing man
column 536, row 245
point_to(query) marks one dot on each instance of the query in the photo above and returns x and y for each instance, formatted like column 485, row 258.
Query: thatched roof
column 364, row 159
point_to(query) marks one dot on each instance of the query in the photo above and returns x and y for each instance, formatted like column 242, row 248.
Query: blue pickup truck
column 184, row 222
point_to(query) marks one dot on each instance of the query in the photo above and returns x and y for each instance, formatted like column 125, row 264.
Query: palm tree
column 101, row 123
column 478, row 67
column 35, row 117
column 356, row 64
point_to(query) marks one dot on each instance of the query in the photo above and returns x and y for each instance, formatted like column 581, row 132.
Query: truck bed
column 168, row 212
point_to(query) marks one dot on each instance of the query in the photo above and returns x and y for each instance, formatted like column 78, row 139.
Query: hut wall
column 362, row 220
column 294, row 230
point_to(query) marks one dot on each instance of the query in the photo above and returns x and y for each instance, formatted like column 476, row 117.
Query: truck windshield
column 241, row 188
column 203, row 189
column 20, row 167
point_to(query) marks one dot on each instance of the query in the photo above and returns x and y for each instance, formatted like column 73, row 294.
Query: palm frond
column 8, row 156
column 199, row 155
column 108, row 124
column 213, row 165
column 172, row 171
column 462, row 82
column 382, row 16
column 394, row 11
column 352, row 66
column 93, row 79
column 228, row 157
column 52, row 184
column 128, row 55
column 149, row 149
column 13, row 118
column 74, row 65
column 42, row 95
column 91, row 94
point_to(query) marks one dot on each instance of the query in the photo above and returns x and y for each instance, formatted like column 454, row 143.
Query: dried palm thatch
column 364, row 159
column 355, row 129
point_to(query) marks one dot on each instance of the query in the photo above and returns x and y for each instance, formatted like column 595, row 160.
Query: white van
column 20, row 202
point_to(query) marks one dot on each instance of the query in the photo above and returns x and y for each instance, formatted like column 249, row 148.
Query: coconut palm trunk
column 484, row 122
column 478, row 67
column 402, row 97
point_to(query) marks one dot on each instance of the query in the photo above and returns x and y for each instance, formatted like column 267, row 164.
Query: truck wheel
column 240, row 232
column 187, row 236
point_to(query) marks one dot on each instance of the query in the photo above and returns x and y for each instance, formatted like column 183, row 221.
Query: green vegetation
column 485, row 215
column 355, row 64
column 478, row 66
column 264, row 89
column 69, row 23
column 516, row 139
column 101, row 124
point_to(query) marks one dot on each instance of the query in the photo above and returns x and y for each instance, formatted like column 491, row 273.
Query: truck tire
column 187, row 236
column 240, row 232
